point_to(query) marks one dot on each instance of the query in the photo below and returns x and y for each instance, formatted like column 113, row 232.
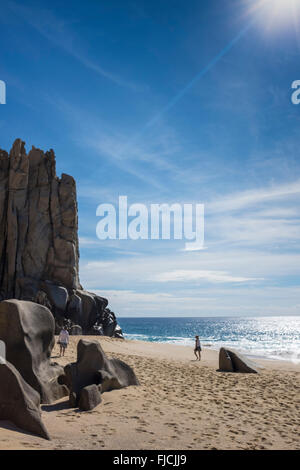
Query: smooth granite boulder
column 27, row 330
column 58, row 295
column 225, row 362
column 108, row 381
column 118, row 332
column 75, row 330
column 232, row 361
column 19, row 402
column 94, row 368
column 94, row 312
column 89, row 309
column 90, row 397
column 74, row 309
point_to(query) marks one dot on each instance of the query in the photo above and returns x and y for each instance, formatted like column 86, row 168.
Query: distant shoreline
column 213, row 353
column 217, row 348
column 272, row 338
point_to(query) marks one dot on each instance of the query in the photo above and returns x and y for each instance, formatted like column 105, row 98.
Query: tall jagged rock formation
column 38, row 224
column 39, row 250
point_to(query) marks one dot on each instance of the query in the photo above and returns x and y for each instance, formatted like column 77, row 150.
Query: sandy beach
column 180, row 404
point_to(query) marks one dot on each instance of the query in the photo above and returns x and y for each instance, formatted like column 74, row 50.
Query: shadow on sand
column 62, row 405
column 12, row 427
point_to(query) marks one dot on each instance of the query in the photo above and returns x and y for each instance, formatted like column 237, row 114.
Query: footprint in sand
column 141, row 430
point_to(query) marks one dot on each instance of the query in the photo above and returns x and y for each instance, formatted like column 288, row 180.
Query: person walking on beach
column 63, row 341
column 197, row 350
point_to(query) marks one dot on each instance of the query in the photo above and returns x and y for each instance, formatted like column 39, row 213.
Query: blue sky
column 165, row 102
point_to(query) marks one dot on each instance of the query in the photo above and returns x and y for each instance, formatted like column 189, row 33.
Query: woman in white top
column 63, row 341
column 197, row 350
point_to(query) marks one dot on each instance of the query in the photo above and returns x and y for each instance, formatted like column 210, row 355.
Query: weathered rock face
column 39, row 223
column 27, row 330
column 39, row 250
column 19, row 402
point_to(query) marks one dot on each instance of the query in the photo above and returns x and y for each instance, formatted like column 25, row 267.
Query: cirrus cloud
column 203, row 275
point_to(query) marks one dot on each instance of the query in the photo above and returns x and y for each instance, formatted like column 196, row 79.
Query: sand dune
column 181, row 404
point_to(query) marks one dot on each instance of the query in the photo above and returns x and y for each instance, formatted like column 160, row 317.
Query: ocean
column 264, row 337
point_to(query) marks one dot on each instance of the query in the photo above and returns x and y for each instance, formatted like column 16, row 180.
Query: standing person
column 197, row 350
column 63, row 341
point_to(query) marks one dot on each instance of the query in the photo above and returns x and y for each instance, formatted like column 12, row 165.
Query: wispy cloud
column 98, row 265
column 151, row 159
column 200, row 275
column 238, row 201
column 134, row 296
column 88, row 241
column 261, row 217
column 239, row 263
column 59, row 32
column 251, row 230
column 216, row 301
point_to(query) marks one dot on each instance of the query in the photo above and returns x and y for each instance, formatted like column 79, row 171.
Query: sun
column 282, row 7
column 275, row 14
column 281, row 3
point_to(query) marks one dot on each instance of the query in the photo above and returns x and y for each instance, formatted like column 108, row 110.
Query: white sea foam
column 247, row 348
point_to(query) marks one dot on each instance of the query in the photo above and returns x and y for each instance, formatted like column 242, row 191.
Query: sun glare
column 282, row 7
column 274, row 14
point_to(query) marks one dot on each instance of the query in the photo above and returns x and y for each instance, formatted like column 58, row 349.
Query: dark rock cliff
column 39, row 250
